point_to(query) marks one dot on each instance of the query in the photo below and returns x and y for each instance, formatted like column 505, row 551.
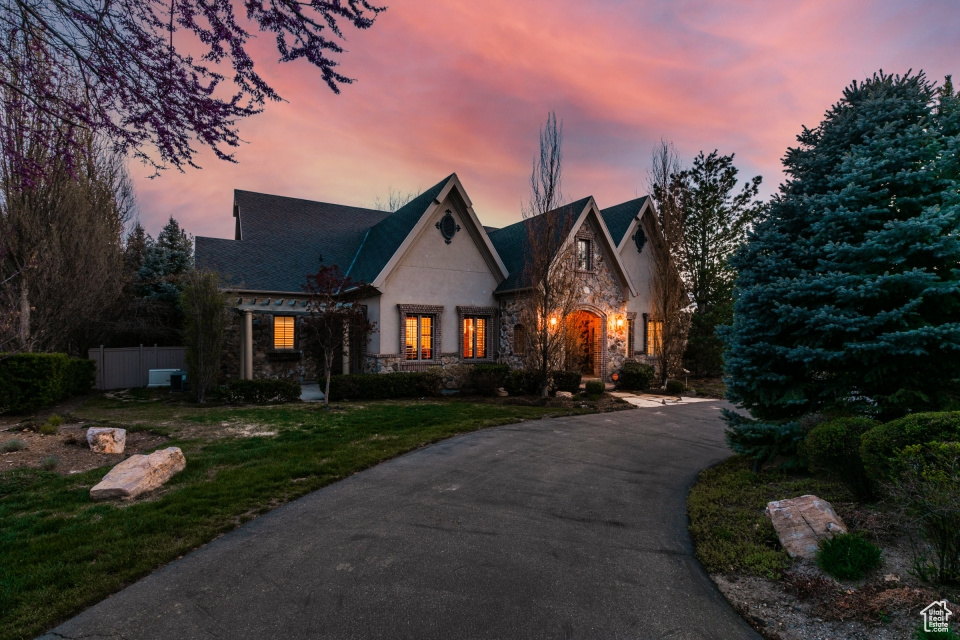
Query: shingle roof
column 618, row 217
column 512, row 243
column 388, row 234
column 284, row 240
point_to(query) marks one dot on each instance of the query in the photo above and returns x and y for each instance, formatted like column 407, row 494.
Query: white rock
column 502, row 392
column 106, row 440
column 140, row 474
column 801, row 523
column 565, row 394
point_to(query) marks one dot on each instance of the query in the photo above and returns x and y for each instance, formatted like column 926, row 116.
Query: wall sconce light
column 553, row 322
column 619, row 323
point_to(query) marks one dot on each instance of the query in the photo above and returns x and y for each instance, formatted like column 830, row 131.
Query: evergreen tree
column 716, row 219
column 847, row 290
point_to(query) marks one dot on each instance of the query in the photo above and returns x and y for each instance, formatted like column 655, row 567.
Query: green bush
column 522, row 382
column 13, row 445
column 595, row 387
column 80, row 376
column 258, row 391
column 848, row 556
column 487, row 378
column 49, row 463
column 675, row 387
column 833, row 448
column 635, row 376
column 32, row 381
column 566, row 381
column 50, row 427
column 381, row 386
column 927, row 488
column 879, row 446
column 761, row 442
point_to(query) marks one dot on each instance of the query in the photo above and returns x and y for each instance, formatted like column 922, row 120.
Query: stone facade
column 601, row 296
column 268, row 363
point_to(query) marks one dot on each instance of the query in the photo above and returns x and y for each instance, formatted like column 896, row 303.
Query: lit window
column 631, row 341
column 520, row 340
column 474, row 337
column 653, row 337
column 584, row 262
column 283, row 332
column 419, row 337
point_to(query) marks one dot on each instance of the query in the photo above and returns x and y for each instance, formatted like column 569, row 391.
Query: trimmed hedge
column 257, row 391
column 566, row 381
column 487, row 378
column 382, row 386
column 521, row 382
column 32, row 381
column 833, row 448
column 675, row 386
column 595, row 387
column 635, row 376
column 881, row 445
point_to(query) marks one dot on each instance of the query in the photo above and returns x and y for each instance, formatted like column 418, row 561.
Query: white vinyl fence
column 129, row 367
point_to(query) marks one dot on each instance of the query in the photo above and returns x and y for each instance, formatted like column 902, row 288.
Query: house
column 444, row 289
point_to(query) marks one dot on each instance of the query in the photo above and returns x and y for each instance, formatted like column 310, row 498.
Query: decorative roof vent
column 448, row 226
column 640, row 238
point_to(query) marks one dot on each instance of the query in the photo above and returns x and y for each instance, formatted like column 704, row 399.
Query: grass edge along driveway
column 60, row 552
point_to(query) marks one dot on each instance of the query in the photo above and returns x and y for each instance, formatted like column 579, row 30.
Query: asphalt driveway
column 561, row 528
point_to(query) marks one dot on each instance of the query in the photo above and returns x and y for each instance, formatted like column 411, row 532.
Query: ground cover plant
column 61, row 552
column 848, row 556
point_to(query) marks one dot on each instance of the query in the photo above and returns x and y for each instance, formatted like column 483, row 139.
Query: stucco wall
column 639, row 266
column 435, row 273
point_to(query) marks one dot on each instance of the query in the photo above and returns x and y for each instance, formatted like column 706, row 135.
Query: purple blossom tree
column 156, row 76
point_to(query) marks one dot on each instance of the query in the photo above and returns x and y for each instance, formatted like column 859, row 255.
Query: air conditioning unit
column 178, row 381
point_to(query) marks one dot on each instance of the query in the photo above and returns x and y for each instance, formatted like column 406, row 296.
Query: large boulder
column 801, row 524
column 565, row 395
column 139, row 474
column 106, row 440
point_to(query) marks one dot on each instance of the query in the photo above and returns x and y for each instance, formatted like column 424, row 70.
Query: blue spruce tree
column 847, row 293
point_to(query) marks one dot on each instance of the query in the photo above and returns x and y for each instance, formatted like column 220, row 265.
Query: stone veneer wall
column 267, row 362
column 601, row 295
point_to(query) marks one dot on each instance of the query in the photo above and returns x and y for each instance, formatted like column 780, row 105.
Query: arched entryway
column 586, row 337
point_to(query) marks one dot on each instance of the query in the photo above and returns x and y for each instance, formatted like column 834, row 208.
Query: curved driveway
column 560, row 528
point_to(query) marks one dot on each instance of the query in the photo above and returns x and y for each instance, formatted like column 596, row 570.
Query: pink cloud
column 452, row 86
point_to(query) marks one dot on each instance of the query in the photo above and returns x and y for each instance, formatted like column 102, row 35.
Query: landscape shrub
column 487, row 378
column 848, row 556
column 927, row 490
column 49, row 463
column 50, row 427
column 521, row 382
column 257, row 391
column 635, row 376
column 833, row 448
column 879, row 446
column 595, row 388
column 381, row 386
column 13, row 445
column 81, row 376
column 675, row 387
column 566, row 381
column 762, row 442
column 32, row 381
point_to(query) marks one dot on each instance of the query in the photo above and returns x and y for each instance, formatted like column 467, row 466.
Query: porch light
column 619, row 323
column 553, row 322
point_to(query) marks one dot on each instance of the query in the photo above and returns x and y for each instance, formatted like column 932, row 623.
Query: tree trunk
column 24, row 314
column 328, row 366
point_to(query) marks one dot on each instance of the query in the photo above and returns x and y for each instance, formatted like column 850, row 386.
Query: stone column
column 248, row 345
column 243, row 349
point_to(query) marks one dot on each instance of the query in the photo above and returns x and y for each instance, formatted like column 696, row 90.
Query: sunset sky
column 455, row 86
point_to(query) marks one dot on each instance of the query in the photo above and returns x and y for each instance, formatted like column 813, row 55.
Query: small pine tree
column 207, row 316
column 848, row 290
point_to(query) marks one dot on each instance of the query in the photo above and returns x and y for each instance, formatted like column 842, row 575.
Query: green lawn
column 60, row 552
